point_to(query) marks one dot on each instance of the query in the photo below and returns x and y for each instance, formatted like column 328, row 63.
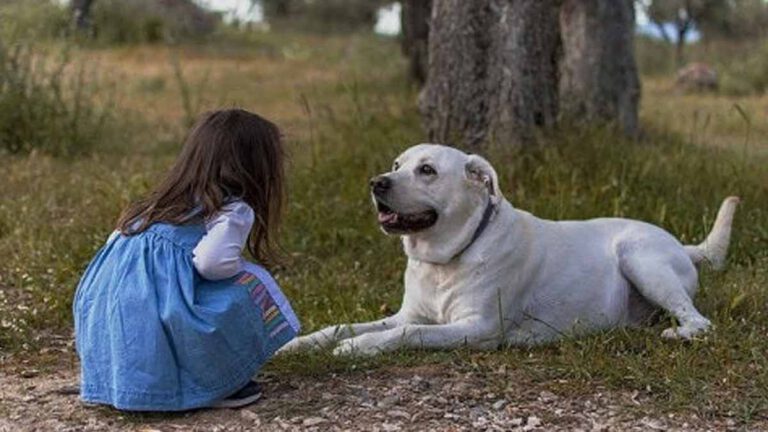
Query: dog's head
column 435, row 197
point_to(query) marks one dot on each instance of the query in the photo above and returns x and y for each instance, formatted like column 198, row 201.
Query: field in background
column 347, row 111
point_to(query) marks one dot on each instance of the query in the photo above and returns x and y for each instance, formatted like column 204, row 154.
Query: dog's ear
column 480, row 170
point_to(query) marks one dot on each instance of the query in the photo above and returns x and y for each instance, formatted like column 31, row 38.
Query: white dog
column 484, row 274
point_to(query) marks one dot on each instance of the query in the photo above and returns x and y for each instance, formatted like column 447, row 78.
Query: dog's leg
column 473, row 333
column 329, row 336
column 656, row 280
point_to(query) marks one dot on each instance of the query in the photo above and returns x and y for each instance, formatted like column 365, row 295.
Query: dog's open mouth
column 402, row 223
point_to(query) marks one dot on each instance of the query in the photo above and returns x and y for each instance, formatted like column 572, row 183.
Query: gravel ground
column 389, row 399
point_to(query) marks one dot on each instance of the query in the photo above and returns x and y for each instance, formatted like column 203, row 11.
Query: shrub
column 32, row 18
column 138, row 21
column 749, row 76
column 47, row 105
column 113, row 21
column 327, row 16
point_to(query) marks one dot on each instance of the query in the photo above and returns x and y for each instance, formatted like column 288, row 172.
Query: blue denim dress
column 153, row 335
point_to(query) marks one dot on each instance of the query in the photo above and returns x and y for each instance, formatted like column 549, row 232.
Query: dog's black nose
column 380, row 184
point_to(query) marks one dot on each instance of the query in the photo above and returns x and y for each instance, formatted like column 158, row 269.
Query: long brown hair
column 228, row 154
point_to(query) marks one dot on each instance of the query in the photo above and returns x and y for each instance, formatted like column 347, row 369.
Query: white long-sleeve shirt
column 218, row 255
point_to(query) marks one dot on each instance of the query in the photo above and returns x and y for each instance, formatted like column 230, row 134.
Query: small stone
column 652, row 424
column 251, row 416
column 399, row 414
column 68, row 390
column 532, row 423
column 517, row 421
column 390, row 427
column 313, row 421
column 461, row 387
column 30, row 373
column 281, row 423
column 547, row 395
column 499, row 404
column 388, row 401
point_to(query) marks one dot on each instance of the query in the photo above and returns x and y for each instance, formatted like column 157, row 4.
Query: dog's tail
column 714, row 248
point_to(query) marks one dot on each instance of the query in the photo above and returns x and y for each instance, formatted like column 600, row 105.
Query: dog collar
column 489, row 208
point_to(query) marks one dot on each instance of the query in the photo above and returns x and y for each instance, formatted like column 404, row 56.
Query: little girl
column 168, row 315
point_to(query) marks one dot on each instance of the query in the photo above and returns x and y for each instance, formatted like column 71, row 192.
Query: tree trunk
column 682, row 34
column 282, row 9
column 683, row 22
column 81, row 14
column 492, row 70
column 275, row 8
column 663, row 31
column 599, row 81
column 414, row 20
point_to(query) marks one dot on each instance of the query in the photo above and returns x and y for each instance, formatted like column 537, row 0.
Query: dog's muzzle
column 392, row 221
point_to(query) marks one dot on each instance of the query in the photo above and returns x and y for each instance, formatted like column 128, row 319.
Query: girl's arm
column 218, row 255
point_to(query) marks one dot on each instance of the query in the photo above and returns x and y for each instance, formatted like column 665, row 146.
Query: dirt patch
column 389, row 399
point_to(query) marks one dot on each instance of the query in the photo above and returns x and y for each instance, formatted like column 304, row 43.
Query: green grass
column 349, row 111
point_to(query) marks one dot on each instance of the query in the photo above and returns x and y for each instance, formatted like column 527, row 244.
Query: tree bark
column 414, row 21
column 663, row 31
column 275, row 8
column 599, row 80
column 682, row 34
column 81, row 14
column 492, row 72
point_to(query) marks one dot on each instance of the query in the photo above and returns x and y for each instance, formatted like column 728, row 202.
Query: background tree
column 275, row 8
column 734, row 20
column 712, row 16
column 678, row 12
column 81, row 14
column 599, row 82
column 137, row 21
column 414, row 20
column 326, row 16
column 493, row 69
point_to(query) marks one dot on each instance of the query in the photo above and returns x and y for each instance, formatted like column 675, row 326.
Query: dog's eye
column 396, row 166
column 427, row 170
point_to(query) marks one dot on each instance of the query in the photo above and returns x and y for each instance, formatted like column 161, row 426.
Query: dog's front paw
column 687, row 332
column 303, row 343
column 318, row 340
column 359, row 346
column 295, row 345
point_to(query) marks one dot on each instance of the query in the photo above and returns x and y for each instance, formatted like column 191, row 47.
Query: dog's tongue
column 387, row 218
